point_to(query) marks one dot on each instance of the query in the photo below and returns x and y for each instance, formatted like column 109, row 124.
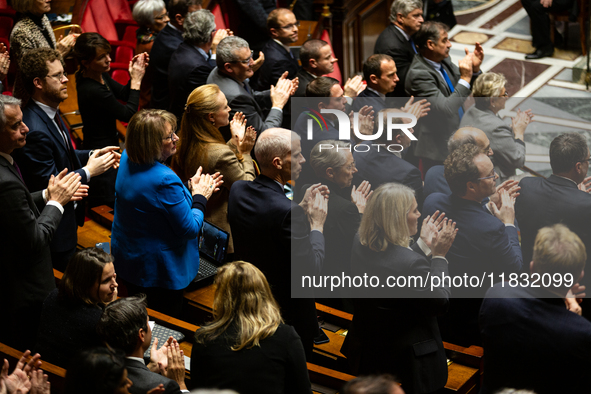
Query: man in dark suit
column 406, row 18
column 125, row 325
column 432, row 74
column 531, row 340
column 557, row 199
column 317, row 60
column 260, row 214
column 28, row 224
column 283, row 30
column 49, row 149
column 165, row 43
column 486, row 243
column 263, row 110
column 380, row 74
column 194, row 58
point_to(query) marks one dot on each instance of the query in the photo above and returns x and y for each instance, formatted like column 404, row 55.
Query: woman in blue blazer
column 157, row 218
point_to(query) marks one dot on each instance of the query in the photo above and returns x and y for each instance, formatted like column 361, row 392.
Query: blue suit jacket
column 435, row 181
column 45, row 154
column 165, row 43
column 187, row 70
column 154, row 234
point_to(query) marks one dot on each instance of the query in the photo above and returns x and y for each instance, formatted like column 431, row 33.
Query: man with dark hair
column 485, row 243
column 317, row 60
column 379, row 72
column 49, row 148
column 125, row 325
column 560, row 198
column 531, row 340
column 283, row 30
column 380, row 384
column 29, row 221
column 432, row 74
column 235, row 65
column 165, row 43
column 406, row 18
column 194, row 58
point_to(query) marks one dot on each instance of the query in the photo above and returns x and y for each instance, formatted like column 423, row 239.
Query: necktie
column 65, row 137
column 19, row 171
column 412, row 44
column 246, row 87
column 451, row 87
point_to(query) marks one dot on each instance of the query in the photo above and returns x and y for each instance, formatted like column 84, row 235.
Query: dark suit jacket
column 27, row 273
column 254, row 105
column 392, row 42
column 45, row 154
column 435, row 181
column 260, row 214
column 304, row 78
column 144, row 380
column 543, row 202
column 187, row 70
column 423, row 81
column 381, row 166
column 410, row 345
column 532, row 342
column 251, row 18
column 277, row 61
column 483, row 245
column 369, row 98
column 165, row 43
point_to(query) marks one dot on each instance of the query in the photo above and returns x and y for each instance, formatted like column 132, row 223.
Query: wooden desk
column 92, row 233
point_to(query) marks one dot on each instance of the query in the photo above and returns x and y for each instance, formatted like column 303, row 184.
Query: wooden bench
column 92, row 233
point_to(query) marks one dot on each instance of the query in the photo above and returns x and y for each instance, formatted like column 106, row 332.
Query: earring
column 213, row 123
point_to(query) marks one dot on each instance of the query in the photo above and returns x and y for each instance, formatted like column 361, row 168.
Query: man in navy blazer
column 487, row 241
column 317, row 60
column 531, row 340
column 49, row 149
column 270, row 231
column 29, row 221
column 557, row 199
column 406, row 18
column 165, row 43
column 194, row 58
column 380, row 74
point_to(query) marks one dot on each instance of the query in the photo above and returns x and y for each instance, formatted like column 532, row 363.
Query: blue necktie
column 412, row 44
column 451, row 87
column 246, row 87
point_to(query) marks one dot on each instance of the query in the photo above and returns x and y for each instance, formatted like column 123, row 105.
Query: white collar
column 141, row 360
column 402, row 31
column 383, row 96
column 288, row 49
column 49, row 111
column 435, row 65
column 174, row 27
column 7, row 157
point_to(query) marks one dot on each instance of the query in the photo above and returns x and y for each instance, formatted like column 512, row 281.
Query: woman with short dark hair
column 157, row 218
column 247, row 336
column 71, row 311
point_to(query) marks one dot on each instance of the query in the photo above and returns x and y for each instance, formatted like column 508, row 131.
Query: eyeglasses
column 162, row 16
column 60, row 76
column 291, row 26
column 170, row 137
column 245, row 61
column 506, row 94
column 488, row 177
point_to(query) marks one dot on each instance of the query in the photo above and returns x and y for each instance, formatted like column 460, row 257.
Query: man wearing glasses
column 264, row 109
column 49, row 149
column 487, row 241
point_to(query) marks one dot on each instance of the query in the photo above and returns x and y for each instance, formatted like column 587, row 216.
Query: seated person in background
column 384, row 164
column 202, row 145
column 247, row 347
column 283, row 30
column 530, row 338
column 434, row 178
column 409, row 347
column 71, row 312
column 373, row 384
column 334, row 166
column 100, row 370
column 317, row 60
column 124, row 325
column 487, row 243
column 406, row 18
column 235, row 65
column 98, row 92
column 506, row 141
column 166, row 42
column 540, row 23
column 49, row 149
column 194, row 58
column 160, row 257
column 152, row 17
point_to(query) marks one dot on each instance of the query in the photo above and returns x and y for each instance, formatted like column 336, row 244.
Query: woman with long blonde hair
column 247, row 336
column 201, row 144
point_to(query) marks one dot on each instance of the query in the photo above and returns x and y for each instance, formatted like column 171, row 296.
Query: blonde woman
column 409, row 344
column 201, row 144
column 248, row 338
